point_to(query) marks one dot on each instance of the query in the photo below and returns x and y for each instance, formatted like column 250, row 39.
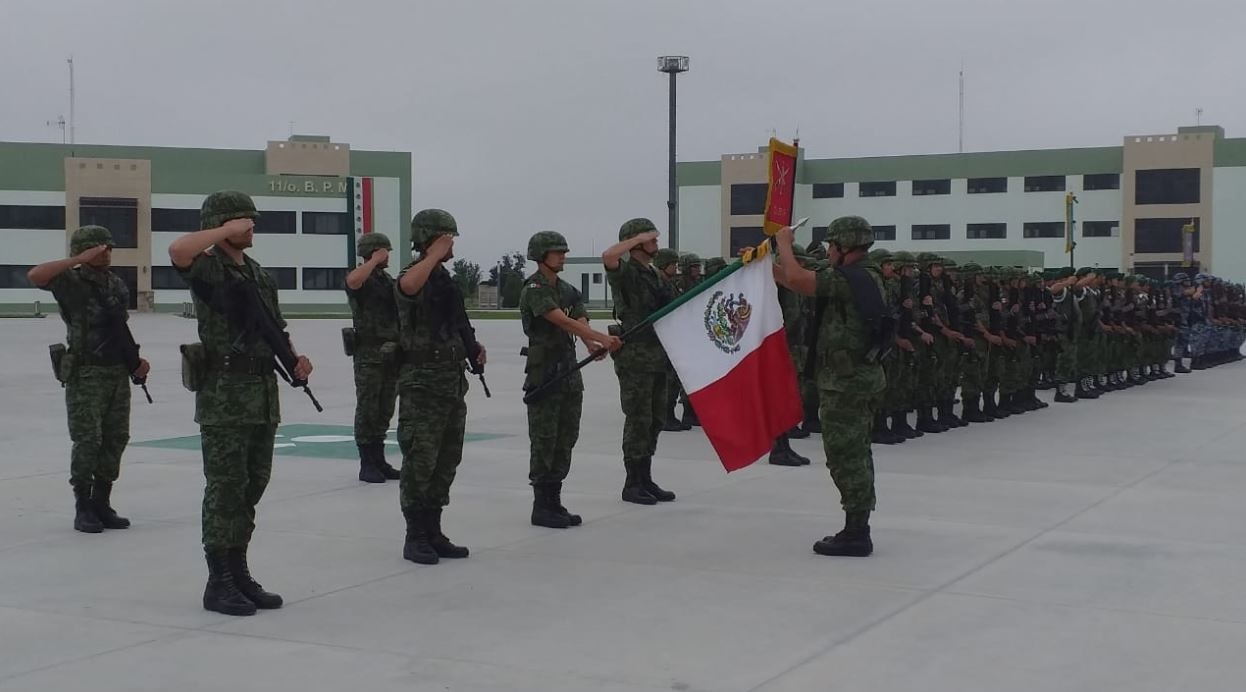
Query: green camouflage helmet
column 714, row 265
column 544, row 242
column 226, row 205
column 970, row 268
column 370, row 243
column 427, row 224
column 634, row 227
column 881, row 256
column 88, row 237
column 688, row 260
column 665, row 257
column 926, row 259
column 850, row 232
column 904, row 258
column 949, row 263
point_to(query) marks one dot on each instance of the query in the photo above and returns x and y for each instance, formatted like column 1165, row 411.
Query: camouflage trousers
column 925, row 391
column 376, row 393
column 97, row 401
column 973, row 369
column 643, row 398
column 432, row 421
column 1015, row 370
column 237, row 464
column 847, row 419
column 949, row 355
column 1066, row 360
column 674, row 391
column 897, row 368
column 553, row 429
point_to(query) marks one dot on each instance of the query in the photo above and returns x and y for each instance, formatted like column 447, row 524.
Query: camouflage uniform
column 663, row 260
column 237, row 408
column 432, row 391
column 97, row 386
column 554, row 421
column 685, row 282
column 641, row 366
column 713, row 265
column 374, row 317
column 850, row 389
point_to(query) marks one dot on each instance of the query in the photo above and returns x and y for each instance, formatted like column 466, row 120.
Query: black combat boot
column 900, row 425
column 101, row 499
column 646, row 470
column 368, row 470
column 879, row 433
column 264, row 600
column 797, row 433
column 972, row 412
column 222, row 595
column 1064, row 393
column 812, row 424
column 1015, row 405
column 633, row 486
column 1085, row 389
column 853, row 541
column 990, row 407
column 555, row 501
column 1035, row 402
column 1180, row 367
column 378, row 456
column 1163, row 370
column 926, row 423
column 85, row 518
column 437, row 539
column 690, row 417
column 673, row 424
column 781, row 453
column 416, row 547
column 947, row 414
column 544, row 512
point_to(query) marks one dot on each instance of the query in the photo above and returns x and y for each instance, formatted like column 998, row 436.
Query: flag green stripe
column 696, row 290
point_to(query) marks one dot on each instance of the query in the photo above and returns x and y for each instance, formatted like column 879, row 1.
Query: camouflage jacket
column 683, row 284
column 842, row 338
column 638, row 292
column 549, row 347
column 374, row 315
column 88, row 299
column 232, row 397
column 433, row 350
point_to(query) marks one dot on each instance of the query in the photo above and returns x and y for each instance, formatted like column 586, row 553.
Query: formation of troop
column 874, row 337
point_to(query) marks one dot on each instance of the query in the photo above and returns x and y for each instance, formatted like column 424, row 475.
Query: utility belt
column 240, row 364
column 434, row 355
column 98, row 360
column 198, row 364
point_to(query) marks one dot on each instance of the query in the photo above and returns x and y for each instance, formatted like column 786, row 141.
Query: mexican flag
column 727, row 343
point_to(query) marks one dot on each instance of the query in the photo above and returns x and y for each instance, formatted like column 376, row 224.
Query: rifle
column 261, row 323
column 119, row 341
column 451, row 317
column 905, row 323
column 468, row 335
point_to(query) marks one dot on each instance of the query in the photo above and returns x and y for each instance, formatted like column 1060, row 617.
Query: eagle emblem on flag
column 726, row 320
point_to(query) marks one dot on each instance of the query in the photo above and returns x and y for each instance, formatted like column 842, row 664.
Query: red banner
column 781, row 191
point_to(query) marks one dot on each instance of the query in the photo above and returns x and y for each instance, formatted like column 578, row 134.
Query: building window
column 1044, row 229
column 324, row 278
column 982, row 186
column 882, row 232
column 596, row 277
column 286, row 278
column 118, row 214
column 878, row 189
column 932, row 231
column 1162, row 235
column 1044, row 183
column 745, row 236
column 932, row 187
column 327, row 223
column 167, row 279
column 1101, row 229
column 748, row 198
column 819, row 234
column 276, row 222
column 1101, row 181
column 14, row 276
column 35, row 218
column 174, row 220
column 986, row 231
column 1167, row 186
column 828, row 190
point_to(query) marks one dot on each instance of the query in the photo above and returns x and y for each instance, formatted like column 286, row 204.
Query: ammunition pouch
column 348, row 341
column 194, row 366
column 62, row 362
column 390, row 353
column 615, row 329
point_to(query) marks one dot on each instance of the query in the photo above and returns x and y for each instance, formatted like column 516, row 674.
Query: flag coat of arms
column 359, row 202
column 726, row 341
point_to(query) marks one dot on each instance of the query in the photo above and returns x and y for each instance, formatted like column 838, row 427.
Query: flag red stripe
column 367, row 205
column 745, row 410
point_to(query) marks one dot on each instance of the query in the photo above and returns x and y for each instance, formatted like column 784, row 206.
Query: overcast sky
column 550, row 114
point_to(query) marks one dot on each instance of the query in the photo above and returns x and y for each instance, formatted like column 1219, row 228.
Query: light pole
column 672, row 65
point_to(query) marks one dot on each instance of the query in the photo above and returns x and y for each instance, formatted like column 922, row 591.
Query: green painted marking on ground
column 319, row 441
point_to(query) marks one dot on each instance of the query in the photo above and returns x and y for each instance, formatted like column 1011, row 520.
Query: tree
column 508, row 276
column 467, row 275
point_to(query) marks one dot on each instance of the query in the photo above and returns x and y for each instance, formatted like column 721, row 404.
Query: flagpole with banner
column 1187, row 244
column 1070, row 226
column 781, row 187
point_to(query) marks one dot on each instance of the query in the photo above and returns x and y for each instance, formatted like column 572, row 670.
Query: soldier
column 883, row 261
column 666, row 261
column 689, row 277
column 642, row 366
column 373, row 345
column 95, row 371
column 974, row 314
column 436, row 338
column 713, row 265
column 236, row 401
column 781, row 452
column 854, row 331
column 911, row 341
column 553, row 312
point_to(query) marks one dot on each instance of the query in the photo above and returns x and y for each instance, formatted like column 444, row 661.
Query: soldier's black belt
column 87, row 358
column 433, row 355
column 243, row 365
